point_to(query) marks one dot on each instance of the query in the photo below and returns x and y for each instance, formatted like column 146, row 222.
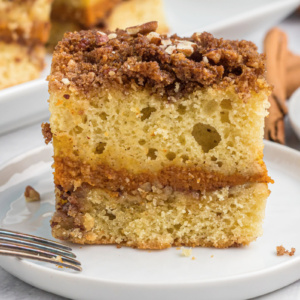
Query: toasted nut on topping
column 214, row 55
column 112, row 36
column 143, row 28
column 154, row 38
column 166, row 42
column 186, row 47
column 170, row 49
column 31, row 194
column 205, row 59
column 65, row 81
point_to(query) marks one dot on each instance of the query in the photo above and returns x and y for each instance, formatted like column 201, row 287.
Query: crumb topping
column 46, row 130
column 138, row 57
column 281, row 251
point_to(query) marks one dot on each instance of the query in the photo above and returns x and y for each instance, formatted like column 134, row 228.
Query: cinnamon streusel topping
column 168, row 66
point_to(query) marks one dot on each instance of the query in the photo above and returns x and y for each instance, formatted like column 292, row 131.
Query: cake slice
column 87, row 13
column 132, row 12
column 24, row 29
column 69, row 15
column 157, row 140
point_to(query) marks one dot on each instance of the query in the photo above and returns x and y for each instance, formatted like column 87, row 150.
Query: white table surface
column 22, row 140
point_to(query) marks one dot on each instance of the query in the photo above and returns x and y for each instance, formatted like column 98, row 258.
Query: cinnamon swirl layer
column 157, row 218
column 71, row 174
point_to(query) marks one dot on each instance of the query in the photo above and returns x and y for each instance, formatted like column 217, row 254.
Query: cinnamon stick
column 275, row 48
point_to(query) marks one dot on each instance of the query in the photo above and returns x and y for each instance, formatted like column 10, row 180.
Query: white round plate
column 111, row 273
column 294, row 111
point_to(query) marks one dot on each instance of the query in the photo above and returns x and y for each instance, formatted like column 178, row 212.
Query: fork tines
column 32, row 247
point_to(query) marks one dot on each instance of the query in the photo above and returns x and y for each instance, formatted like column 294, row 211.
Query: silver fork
column 32, row 247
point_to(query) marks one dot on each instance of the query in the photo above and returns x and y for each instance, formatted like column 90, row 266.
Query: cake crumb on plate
column 31, row 194
column 281, row 251
column 186, row 251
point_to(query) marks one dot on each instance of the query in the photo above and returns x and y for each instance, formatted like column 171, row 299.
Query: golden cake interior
column 136, row 167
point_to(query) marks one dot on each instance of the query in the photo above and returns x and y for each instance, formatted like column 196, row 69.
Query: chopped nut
column 65, row 81
column 111, row 73
column 205, row 59
column 186, row 47
column 166, row 42
column 154, row 38
column 142, row 29
column 170, row 49
column 101, row 33
column 112, row 36
column 31, row 194
column 214, row 55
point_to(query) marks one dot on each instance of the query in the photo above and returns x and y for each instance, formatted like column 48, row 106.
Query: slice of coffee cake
column 157, row 140
column 24, row 29
column 68, row 15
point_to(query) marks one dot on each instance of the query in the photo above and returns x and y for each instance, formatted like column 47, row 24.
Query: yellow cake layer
column 19, row 63
column 211, row 129
column 157, row 218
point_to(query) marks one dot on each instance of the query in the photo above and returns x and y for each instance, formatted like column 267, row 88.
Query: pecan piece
column 31, row 194
column 143, row 28
column 186, row 47
column 154, row 38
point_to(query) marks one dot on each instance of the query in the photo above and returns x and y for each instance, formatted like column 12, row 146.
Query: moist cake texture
column 157, row 140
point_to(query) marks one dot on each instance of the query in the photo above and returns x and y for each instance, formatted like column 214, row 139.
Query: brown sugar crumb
column 118, row 246
column 168, row 66
column 178, row 248
column 66, row 96
column 31, row 194
column 193, row 258
column 46, row 131
column 281, row 251
column 211, row 256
